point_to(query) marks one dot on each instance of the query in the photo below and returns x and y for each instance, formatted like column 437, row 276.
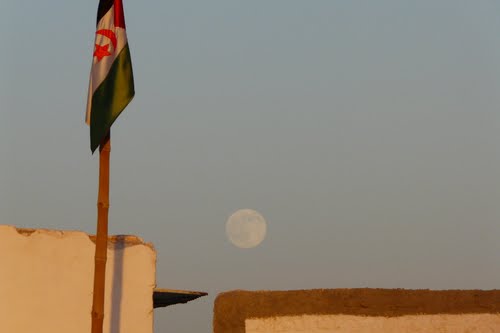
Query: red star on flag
column 101, row 51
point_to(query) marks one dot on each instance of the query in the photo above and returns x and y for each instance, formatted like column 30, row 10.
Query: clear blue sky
column 367, row 133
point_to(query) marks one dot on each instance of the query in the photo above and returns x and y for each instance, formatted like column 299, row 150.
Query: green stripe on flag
column 111, row 97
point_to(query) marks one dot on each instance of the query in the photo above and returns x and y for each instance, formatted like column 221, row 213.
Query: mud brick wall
column 358, row 311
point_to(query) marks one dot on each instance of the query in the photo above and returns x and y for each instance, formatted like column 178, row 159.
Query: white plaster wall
column 443, row 323
column 46, row 281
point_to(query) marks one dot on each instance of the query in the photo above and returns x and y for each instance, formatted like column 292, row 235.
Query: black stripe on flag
column 104, row 7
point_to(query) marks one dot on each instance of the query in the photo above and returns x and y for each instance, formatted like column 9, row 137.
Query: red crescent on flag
column 110, row 34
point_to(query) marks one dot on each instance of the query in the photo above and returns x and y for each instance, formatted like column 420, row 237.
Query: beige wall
column 357, row 311
column 46, row 280
column 443, row 323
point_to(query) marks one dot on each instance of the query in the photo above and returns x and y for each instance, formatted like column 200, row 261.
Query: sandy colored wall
column 46, row 280
column 357, row 310
column 443, row 323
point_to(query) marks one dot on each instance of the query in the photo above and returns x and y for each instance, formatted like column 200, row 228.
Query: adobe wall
column 357, row 311
column 46, row 282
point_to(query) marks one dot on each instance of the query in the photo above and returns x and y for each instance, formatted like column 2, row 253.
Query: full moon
column 246, row 228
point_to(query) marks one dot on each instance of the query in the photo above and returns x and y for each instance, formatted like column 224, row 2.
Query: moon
column 246, row 228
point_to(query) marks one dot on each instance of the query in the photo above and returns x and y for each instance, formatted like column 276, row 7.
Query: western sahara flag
column 111, row 85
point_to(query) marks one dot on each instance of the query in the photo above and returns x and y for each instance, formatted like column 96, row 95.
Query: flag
column 111, row 85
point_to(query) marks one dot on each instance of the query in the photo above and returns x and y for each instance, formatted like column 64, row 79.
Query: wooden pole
column 102, row 236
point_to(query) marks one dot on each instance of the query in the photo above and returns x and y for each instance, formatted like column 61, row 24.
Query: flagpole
column 102, row 236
